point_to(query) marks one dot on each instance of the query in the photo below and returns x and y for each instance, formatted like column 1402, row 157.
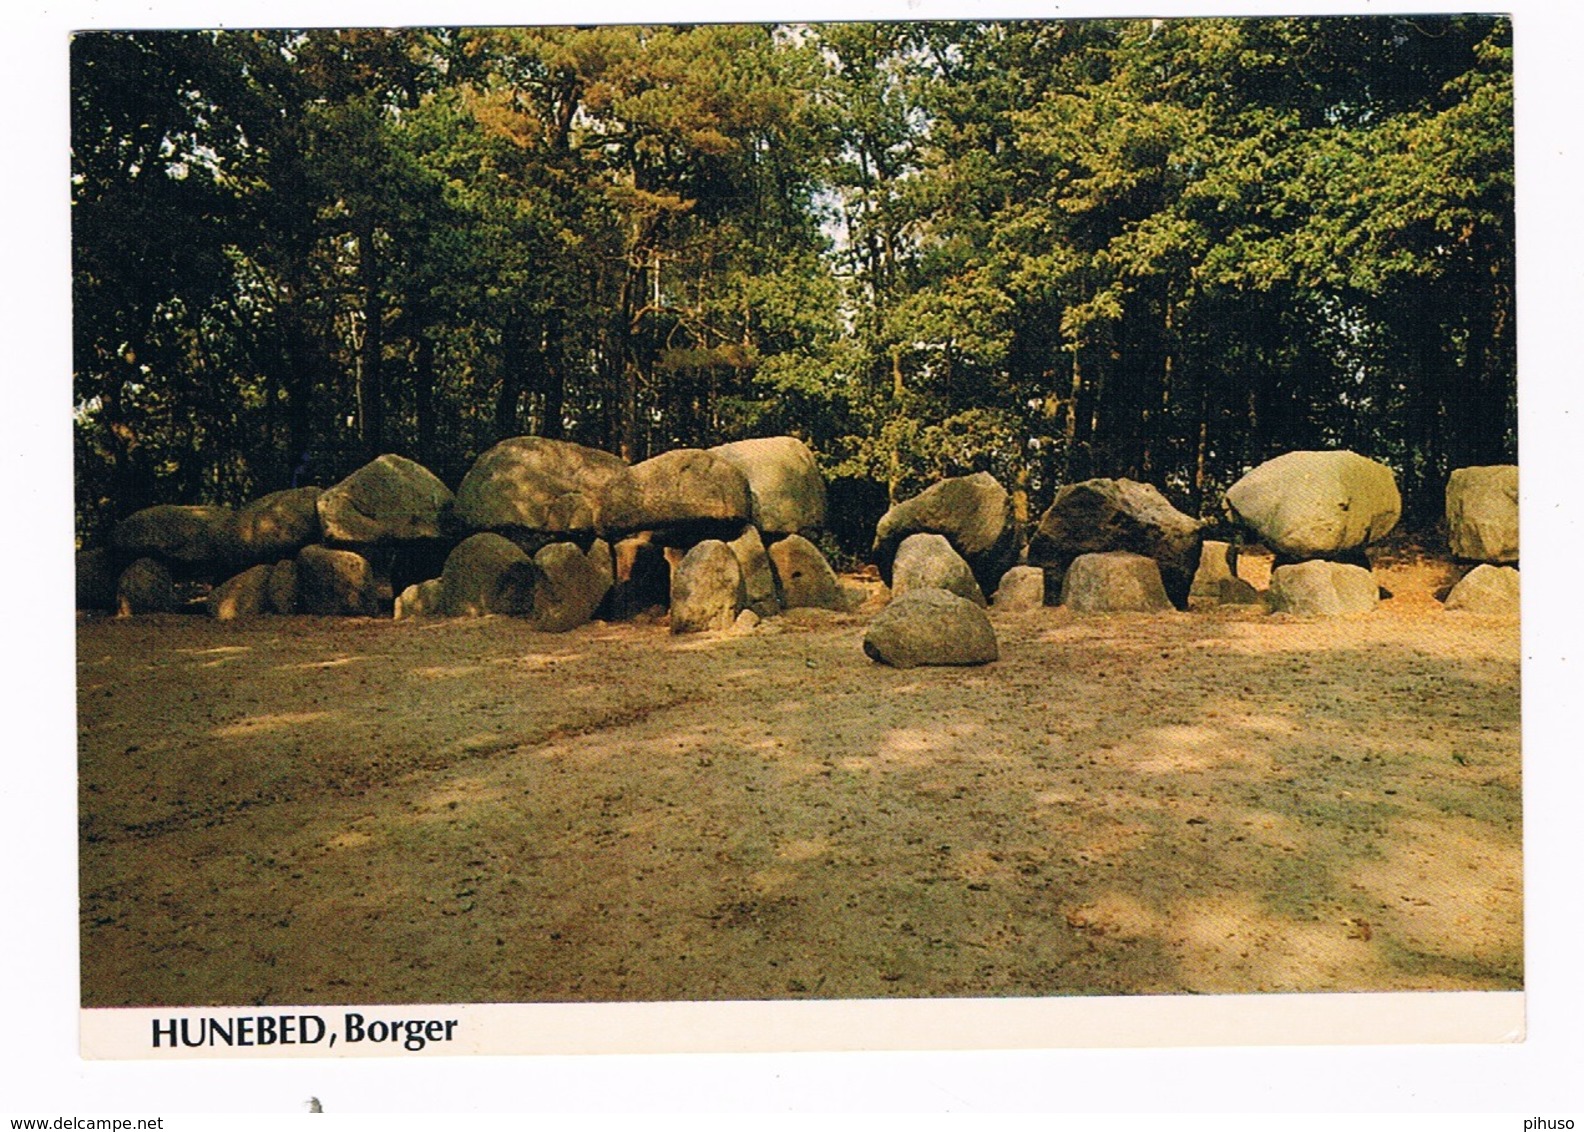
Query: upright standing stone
column 602, row 560
column 1482, row 514
column 758, row 576
column 96, row 579
column 1214, row 568
column 145, row 587
column 1323, row 589
column 570, row 586
column 928, row 562
column 1114, row 582
column 707, row 589
column 804, row 578
column 245, row 595
column 1022, row 588
column 1235, row 591
column 335, row 583
column 488, row 573
column 421, row 599
column 281, row 586
column 1487, row 589
column 642, row 576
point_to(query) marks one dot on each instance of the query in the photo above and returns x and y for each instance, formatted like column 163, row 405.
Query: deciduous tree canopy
column 1165, row 249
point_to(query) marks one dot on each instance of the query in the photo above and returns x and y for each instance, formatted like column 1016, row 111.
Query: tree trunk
column 898, row 403
column 1486, row 418
column 508, row 403
column 371, row 377
column 609, row 362
column 630, row 379
column 1159, row 421
column 423, row 399
column 1254, row 445
column 127, row 486
column 298, row 370
column 554, row 378
column 632, row 372
column 1202, row 452
column 1070, row 426
column 1097, row 394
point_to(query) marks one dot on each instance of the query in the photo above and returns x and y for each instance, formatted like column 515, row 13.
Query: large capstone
column 931, row 627
column 190, row 536
column 488, row 573
column 1323, row 589
column 928, row 562
column 804, row 579
column 707, row 589
column 686, row 490
column 786, row 492
column 1482, row 514
column 335, row 583
column 975, row 515
column 1116, row 581
column 1102, row 515
column 1487, row 589
column 389, row 499
column 531, row 484
column 273, row 527
column 1317, row 504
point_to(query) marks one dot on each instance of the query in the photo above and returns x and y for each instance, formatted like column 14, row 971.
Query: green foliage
column 1048, row 249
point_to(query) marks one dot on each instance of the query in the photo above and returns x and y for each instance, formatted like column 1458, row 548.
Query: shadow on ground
column 312, row 811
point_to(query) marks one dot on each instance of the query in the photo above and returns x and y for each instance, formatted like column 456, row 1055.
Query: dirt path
column 305, row 810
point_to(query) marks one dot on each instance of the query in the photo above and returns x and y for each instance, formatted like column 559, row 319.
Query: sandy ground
column 311, row 810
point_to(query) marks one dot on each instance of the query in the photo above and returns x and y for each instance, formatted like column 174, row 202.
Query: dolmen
column 1131, row 549
column 1318, row 511
column 973, row 514
column 1118, row 516
column 1482, row 533
column 549, row 531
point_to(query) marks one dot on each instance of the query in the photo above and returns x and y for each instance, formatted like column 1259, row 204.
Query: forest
column 1050, row 250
